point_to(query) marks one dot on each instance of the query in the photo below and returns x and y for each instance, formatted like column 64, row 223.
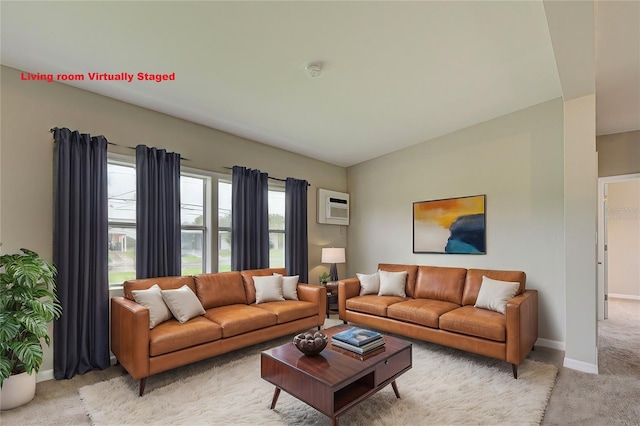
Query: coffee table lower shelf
column 333, row 382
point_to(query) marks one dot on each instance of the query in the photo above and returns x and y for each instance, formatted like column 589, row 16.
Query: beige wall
column 516, row 160
column 580, row 205
column 30, row 108
column 618, row 154
column 623, row 237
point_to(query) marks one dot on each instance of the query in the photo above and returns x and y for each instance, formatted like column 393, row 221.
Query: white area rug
column 444, row 387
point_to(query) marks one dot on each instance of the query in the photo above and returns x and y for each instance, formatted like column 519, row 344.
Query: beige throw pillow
column 392, row 283
column 369, row 284
column 268, row 288
column 183, row 303
column 289, row 286
column 494, row 294
column 151, row 299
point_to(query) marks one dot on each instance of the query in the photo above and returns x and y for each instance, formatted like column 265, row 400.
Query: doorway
column 618, row 239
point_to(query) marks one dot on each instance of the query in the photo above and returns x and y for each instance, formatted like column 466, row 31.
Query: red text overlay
column 99, row 76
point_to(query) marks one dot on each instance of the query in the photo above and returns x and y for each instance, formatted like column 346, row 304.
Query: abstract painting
column 451, row 226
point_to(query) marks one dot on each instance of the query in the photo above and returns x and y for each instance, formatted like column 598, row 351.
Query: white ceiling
column 618, row 66
column 395, row 73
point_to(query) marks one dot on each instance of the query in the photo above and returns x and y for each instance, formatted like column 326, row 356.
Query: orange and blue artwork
column 453, row 226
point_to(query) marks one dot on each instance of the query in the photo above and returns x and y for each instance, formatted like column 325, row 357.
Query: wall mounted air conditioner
column 333, row 207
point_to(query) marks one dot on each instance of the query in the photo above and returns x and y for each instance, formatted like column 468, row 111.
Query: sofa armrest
column 346, row 289
column 522, row 325
column 130, row 336
column 316, row 294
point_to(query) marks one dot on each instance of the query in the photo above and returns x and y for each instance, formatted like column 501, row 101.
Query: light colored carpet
column 443, row 387
column 611, row 397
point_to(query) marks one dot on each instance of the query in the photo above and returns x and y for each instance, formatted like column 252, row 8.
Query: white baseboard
column 548, row 343
column 45, row 375
column 623, row 296
column 585, row 367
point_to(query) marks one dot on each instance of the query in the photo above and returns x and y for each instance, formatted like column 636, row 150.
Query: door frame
column 602, row 239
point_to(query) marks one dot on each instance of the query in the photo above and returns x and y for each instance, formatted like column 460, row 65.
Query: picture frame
column 450, row 225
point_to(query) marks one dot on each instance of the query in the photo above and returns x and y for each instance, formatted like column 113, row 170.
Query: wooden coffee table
column 336, row 380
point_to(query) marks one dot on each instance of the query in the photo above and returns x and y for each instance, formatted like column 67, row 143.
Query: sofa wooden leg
column 515, row 371
column 143, row 382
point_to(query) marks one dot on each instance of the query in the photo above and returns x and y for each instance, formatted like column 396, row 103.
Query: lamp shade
column 333, row 255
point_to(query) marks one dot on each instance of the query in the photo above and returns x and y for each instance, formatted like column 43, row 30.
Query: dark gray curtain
column 249, row 219
column 296, row 246
column 80, row 244
column 157, row 213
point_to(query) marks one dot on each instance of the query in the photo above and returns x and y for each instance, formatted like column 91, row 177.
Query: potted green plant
column 324, row 278
column 28, row 302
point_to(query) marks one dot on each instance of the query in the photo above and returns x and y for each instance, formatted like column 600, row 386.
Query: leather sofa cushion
column 475, row 322
column 221, row 289
column 411, row 270
column 373, row 304
column 238, row 319
column 440, row 283
column 171, row 336
column 250, row 287
column 165, row 283
column 290, row 310
column 474, row 280
column 420, row 311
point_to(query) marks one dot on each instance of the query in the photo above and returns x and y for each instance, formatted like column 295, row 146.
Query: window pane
column 224, row 204
column 192, row 241
column 224, row 251
column 121, row 193
column 122, row 255
column 224, row 226
column 276, row 210
column 276, row 250
column 276, row 223
column 191, row 200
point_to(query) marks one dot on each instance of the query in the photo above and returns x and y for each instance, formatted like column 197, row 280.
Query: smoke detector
column 314, row 69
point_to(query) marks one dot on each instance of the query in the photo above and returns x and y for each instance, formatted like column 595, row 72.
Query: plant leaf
column 5, row 367
column 29, row 352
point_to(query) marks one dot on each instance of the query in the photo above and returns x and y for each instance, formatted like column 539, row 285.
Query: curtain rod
column 274, row 178
column 122, row 146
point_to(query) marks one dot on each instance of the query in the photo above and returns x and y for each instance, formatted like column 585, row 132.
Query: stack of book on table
column 358, row 340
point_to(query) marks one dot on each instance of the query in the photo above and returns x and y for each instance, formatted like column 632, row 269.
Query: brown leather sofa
column 232, row 320
column 439, row 308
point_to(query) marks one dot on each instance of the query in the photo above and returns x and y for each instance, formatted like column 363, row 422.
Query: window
column 121, row 193
column 198, row 190
column 194, row 211
column 192, row 215
column 224, row 226
column 276, row 227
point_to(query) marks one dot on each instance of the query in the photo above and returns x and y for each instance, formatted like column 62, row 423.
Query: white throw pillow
column 183, row 303
column 289, row 286
column 392, row 283
column 151, row 299
column 369, row 284
column 494, row 294
column 268, row 288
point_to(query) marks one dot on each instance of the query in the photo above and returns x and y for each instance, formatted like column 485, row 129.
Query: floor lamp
column 333, row 256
